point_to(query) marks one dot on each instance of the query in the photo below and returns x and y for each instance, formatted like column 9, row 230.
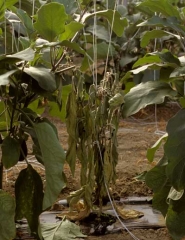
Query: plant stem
column 1, row 175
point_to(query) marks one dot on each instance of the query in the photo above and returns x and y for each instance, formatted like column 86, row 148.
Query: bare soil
column 136, row 134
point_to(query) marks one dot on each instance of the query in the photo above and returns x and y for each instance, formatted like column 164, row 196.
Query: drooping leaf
column 29, row 197
column 43, row 76
column 174, row 149
column 151, row 151
column 4, row 78
column 10, row 158
column 144, row 94
column 63, row 230
column 49, row 17
column 7, row 222
column 115, row 20
column 53, row 157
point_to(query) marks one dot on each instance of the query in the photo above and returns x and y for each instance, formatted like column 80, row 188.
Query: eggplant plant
column 36, row 53
column 167, row 178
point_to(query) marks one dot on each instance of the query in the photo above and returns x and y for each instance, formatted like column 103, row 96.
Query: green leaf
column 175, row 223
column 144, row 94
column 174, row 149
column 6, row 4
column 26, row 20
column 149, row 35
column 44, row 77
column 70, row 6
column 102, row 50
column 25, row 55
column 29, row 197
column 178, row 72
column 10, row 158
column 7, row 216
column 159, row 200
column 4, row 78
column 70, row 30
column 53, row 157
column 156, row 178
column 64, row 230
column 163, row 7
column 170, row 22
column 151, row 151
column 51, row 19
column 115, row 20
column 147, row 59
column 101, row 32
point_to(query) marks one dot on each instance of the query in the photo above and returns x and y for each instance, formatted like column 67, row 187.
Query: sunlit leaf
column 144, row 94
column 25, row 55
column 4, row 78
column 70, row 30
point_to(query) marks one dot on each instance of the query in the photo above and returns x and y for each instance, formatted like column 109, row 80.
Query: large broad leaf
column 156, row 178
column 44, row 77
column 159, row 200
column 115, row 20
column 159, row 6
column 64, row 230
column 6, row 4
column 102, row 50
column 53, row 157
column 10, row 158
column 7, row 216
column 51, row 21
column 70, row 6
column 174, row 149
column 175, row 223
column 29, row 197
column 101, row 32
column 26, row 20
column 25, row 55
column 144, row 94
column 4, row 78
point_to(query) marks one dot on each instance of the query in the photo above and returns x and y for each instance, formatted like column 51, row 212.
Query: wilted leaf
column 174, row 194
column 53, row 157
column 10, row 158
column 144, row 94
column 29, row 197
column 7, row 216
column 64, row 230
column 49, row 17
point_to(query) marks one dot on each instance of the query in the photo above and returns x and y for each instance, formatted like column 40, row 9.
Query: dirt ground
column 136, row 134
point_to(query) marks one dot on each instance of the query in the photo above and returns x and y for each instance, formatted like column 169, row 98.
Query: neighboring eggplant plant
column 167, row 178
